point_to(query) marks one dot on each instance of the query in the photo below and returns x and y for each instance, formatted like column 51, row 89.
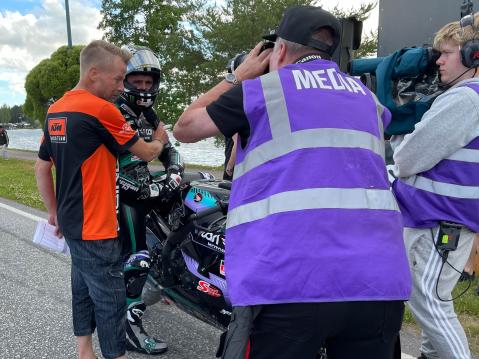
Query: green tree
column 50, row 79
column 193, row 53
column 369, row 42
column 235, row 27
column 195, row 39
column 4, row 114
column 16, row 114
column 161, row 26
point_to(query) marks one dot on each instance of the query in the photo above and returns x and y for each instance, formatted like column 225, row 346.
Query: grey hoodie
column 450, row 124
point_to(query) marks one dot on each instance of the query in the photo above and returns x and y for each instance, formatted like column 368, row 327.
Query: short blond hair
column 453, row 32
column 100, row 53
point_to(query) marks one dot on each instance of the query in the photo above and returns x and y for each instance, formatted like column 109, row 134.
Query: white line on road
column 22, row 213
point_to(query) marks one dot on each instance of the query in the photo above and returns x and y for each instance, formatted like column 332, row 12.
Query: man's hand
column 148, row 151
column 161, row 135
column 195, row 123
column 255, row 63
column 229, row 171
column 44, row 177
column 53, row 220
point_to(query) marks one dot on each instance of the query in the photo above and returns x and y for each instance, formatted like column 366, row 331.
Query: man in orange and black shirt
column 84, row 133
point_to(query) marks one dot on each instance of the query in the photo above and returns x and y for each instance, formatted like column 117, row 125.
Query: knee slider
column 136, row 271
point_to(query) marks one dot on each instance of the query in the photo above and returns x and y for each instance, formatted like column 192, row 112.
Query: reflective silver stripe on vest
column 441, row 188
column 465, row 155
column 314, row 198
column 285, row 141
column 379, row 114
column 314, row 138
column 275, row 104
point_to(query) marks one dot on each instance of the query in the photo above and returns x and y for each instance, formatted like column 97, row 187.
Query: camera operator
column 310, row 205
column 438, row 191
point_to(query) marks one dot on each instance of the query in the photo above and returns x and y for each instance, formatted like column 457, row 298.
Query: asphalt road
column 35, row 302
column 36, row 311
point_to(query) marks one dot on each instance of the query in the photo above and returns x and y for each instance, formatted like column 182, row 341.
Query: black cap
column 299, row 24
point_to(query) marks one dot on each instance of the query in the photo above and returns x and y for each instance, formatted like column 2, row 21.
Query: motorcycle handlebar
column 221, row 206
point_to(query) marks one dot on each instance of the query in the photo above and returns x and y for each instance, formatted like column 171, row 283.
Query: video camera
column 351, row 30
column 239, row 58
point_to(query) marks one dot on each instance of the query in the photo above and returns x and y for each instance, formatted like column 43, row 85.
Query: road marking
column 22, row 213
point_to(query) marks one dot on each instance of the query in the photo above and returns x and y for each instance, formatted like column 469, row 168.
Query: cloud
column 28, row 38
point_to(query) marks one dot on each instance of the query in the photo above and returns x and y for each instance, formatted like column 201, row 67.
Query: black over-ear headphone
column 470, row 49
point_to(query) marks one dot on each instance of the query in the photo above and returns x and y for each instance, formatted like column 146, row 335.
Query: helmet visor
column 143, row 61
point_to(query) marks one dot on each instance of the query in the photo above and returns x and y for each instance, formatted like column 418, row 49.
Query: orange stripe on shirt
column 99, row 195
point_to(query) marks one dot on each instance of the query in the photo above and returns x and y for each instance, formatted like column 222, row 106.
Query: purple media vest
column 447, row 192
column 311, row 215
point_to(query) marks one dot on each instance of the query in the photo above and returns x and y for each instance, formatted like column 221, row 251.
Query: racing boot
column 136, row 337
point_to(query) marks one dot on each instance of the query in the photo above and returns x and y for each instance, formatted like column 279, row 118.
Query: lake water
column 203, row 152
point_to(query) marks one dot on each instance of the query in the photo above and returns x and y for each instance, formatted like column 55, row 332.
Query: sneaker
column 136, row 337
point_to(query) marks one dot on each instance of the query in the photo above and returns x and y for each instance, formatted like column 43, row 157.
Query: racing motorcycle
column 186, row 240
column 187, row 244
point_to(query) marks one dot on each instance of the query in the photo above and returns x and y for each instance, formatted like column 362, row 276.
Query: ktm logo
column 57, row 126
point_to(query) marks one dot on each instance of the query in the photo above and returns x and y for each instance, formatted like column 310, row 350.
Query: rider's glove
column 155, row 189
column 172, row 182
column 173, row 179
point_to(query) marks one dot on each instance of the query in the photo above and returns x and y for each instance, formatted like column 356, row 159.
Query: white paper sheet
column 45, row 236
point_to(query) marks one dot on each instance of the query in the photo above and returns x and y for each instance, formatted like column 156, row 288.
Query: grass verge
column 193, row 166
column 17, row 182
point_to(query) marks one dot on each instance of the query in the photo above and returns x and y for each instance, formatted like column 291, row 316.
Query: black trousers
column 346, row 329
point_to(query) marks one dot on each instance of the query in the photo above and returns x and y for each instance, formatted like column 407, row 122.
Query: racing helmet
column 143, row 62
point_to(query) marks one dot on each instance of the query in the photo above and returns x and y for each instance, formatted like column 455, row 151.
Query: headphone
column 470, row 49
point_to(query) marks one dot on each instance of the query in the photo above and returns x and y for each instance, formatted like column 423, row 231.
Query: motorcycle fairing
column 204, row 195
column 213, row 278
column 198, row 199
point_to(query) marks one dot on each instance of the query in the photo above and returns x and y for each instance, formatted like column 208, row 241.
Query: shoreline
column 31, row 155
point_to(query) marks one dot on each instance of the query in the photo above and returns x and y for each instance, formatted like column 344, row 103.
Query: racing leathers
column 139, row 189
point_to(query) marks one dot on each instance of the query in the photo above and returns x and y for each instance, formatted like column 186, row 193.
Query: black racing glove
column 172, row 181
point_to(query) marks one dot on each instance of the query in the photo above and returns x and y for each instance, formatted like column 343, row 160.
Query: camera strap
column 308, row 58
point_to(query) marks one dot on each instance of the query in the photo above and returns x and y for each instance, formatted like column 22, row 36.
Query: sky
column 31, row 30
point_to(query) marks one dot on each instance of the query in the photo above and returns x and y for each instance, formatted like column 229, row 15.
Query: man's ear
column 93, row 74
column 282, row 52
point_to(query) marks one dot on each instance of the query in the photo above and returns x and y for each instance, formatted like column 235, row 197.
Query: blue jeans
column 98, row 293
